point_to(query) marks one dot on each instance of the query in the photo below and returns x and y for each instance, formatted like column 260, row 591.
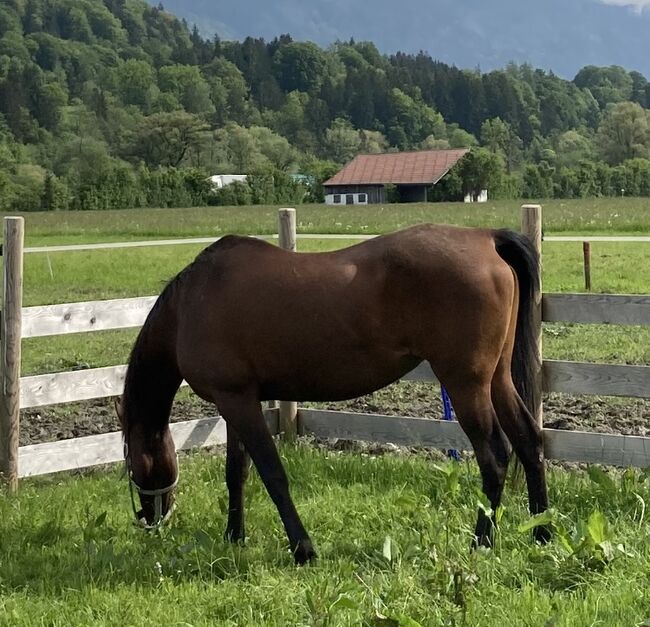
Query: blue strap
column 449, row 415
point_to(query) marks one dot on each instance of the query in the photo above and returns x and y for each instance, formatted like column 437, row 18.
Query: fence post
column 531, row 226
column 586, row 256
column 10, row 345
column 287, row 240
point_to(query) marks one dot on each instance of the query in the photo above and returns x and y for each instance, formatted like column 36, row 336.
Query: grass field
column 392, row 533
column 594, row 216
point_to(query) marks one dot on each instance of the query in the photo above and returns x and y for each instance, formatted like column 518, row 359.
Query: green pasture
column 586, row 216
column 392, row 532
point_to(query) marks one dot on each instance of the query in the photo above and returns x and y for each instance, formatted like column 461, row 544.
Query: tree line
column 116, row 103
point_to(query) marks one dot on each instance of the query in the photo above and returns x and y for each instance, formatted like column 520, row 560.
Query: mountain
column 557, row 35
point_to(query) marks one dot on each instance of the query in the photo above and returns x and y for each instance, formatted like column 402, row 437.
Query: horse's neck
column 152, row 381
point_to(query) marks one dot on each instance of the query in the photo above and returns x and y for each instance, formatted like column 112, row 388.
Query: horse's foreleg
column 478, row 420
column 237, row 467
column 244, row 414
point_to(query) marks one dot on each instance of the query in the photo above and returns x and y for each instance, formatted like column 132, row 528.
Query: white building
column 481, row 196
column 221, row 180
column 346, row 199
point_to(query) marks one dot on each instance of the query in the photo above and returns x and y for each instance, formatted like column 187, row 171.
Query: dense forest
column 116, row 103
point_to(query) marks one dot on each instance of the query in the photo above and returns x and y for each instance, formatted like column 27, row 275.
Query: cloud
column 637, row 5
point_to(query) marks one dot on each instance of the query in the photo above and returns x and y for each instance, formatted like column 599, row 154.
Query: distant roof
column 424, row 167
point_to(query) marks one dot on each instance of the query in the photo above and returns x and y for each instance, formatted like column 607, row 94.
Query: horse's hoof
column 542, row 534
column 481, row 541
column 304, row 552
column 234, row 536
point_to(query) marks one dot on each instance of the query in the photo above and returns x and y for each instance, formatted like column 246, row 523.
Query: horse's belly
column 341, row 381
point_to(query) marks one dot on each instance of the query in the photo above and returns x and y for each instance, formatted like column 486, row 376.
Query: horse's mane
column 141, row 368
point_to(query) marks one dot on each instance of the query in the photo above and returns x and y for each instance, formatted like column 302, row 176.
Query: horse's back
column 329, row 325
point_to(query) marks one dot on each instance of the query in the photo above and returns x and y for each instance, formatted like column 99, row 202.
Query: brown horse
column 248, row 322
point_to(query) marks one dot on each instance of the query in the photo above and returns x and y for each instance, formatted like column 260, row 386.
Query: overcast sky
column 637, row 5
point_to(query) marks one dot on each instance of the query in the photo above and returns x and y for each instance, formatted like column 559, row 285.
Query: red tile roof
column 425, row 167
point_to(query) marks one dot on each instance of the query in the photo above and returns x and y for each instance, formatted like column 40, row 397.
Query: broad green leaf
column 203, row 539
column 545, row 518
column 601, row 478
column 597, row 527
column 343, row 601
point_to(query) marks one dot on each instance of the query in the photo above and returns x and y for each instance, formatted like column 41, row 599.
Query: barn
column 364, row 180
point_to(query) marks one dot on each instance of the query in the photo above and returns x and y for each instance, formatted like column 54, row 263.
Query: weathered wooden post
column 288, row 421
column 10, row 345
column 531, row 226
column 586, row 256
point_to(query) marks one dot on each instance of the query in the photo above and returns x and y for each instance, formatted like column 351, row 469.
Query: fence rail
column 123, row 313
column 99, row 315
column 66, row 387
column 571, row 446
column 188, row 241
column 596, row 308
column 107, row 448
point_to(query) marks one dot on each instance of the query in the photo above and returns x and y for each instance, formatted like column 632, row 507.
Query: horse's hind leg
column 526, row 438
column 244, row 414
column 478, row 420
column 237, row 467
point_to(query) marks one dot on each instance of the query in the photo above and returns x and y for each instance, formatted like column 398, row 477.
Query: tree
column 573, row 147
column 431, row 143
column 228, row 90
column 459, row 138
column 136, row 84
column 538, row 181
column 372, row 142
column 290, row 119
column 164, row 139
column 274, row 147
column 342, row 141
column 480, row 169
column 239, row 149
column 318, row 172
column 49, row 98
column 499, row 138
column 410, row 120
column 624, row 132
column 607, row 84
column 188, row 86
column 55, row 194
column 299, row 66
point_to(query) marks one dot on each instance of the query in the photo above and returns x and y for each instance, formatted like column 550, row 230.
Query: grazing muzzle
column 159, row 519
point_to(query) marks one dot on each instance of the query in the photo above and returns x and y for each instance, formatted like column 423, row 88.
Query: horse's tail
column 518, row 252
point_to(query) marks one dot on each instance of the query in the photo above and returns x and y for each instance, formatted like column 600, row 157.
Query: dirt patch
column 585, row 413
column 75, row 420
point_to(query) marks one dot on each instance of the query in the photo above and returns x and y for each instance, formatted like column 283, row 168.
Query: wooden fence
column 65, row 387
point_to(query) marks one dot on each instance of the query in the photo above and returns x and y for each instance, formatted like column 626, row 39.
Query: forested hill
column 556, row 35
column 116, row 103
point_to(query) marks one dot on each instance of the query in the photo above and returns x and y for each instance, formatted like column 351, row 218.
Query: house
column 364, row 180
column 221, row 180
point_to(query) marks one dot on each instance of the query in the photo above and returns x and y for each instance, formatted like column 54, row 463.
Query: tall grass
column 393, row 535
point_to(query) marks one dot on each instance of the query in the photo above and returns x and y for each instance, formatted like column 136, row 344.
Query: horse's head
column 152, row 470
